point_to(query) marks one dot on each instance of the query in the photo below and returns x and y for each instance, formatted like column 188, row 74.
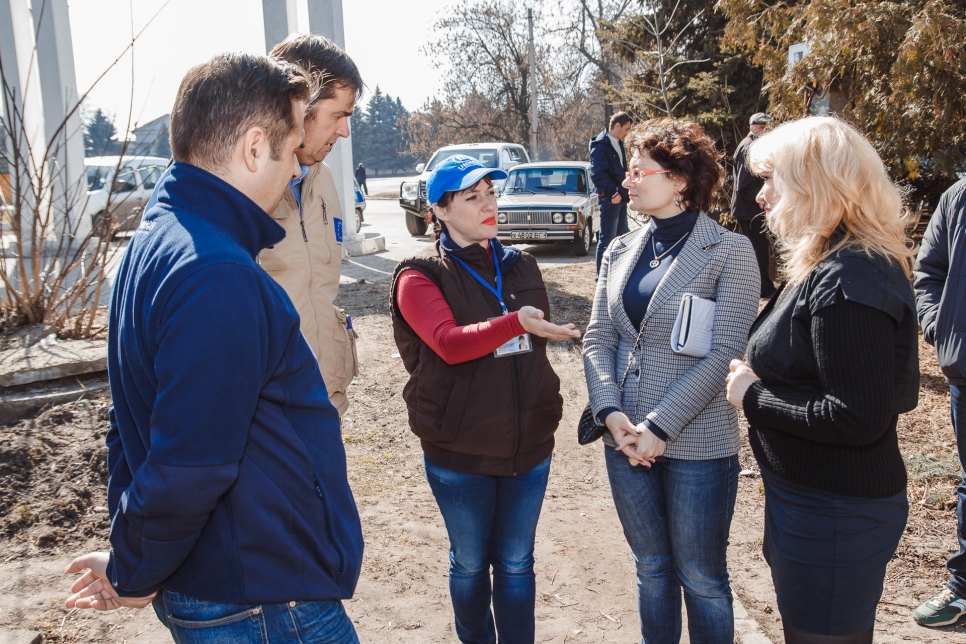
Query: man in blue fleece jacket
column 230, row 505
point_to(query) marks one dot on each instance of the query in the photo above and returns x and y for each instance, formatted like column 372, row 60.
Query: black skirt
column 828, row 554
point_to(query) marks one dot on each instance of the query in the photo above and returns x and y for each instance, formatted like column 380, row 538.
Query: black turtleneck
column 668, row 236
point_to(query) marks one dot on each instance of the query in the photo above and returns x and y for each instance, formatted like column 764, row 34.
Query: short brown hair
column 683, row 148
column 220, row 100
column 328, row 66
column 619, row 119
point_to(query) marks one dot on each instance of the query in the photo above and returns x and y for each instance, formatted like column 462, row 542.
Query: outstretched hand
column 531, row 319
column 94, row 590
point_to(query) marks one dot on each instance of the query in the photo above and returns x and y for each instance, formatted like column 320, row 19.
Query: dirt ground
column 52, row 498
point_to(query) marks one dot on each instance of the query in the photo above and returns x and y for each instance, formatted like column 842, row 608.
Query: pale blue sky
column 382, row 36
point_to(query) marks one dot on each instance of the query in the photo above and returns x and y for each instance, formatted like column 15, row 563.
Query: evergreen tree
column 896, row 69
column 98, row 135
column 379, row 134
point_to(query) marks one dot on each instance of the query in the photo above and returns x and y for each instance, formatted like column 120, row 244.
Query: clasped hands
column 637, row 442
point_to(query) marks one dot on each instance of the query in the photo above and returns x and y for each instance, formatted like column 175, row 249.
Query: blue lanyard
column 499, row 278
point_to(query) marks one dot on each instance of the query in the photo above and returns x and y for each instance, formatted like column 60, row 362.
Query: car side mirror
column 420, row 167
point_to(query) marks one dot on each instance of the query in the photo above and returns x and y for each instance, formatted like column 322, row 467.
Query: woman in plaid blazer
column 673, row 438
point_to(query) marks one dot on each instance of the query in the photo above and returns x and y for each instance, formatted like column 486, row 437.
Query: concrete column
column 281, row 19
column 325, row 18
column 58, row 83
column 25, row 123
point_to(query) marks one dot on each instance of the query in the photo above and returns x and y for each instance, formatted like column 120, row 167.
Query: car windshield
column 489, row 157
column 538, row 180
column 97, row 176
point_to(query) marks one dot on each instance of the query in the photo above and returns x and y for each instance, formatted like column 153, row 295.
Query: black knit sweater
column 838, row 360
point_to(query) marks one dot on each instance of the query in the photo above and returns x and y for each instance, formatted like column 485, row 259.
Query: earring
column 677, row 200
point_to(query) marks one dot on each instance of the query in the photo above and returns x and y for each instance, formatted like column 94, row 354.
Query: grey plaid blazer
column 682, row 395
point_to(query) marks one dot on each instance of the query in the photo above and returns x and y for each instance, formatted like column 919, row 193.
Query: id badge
column 518, row 344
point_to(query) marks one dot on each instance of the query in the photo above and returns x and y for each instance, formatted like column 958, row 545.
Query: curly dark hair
column 683, row 148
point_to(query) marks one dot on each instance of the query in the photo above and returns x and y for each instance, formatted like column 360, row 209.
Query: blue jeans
column 491, row 521
column 195, row 621
column 613, row 223
column 957, row 563
column 676, row 517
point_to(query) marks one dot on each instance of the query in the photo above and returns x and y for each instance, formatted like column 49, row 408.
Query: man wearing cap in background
column 744, row 206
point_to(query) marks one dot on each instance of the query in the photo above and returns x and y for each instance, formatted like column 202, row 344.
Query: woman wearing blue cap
column 469, row 320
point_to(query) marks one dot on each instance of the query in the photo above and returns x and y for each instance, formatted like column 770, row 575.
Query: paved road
column 385, row 217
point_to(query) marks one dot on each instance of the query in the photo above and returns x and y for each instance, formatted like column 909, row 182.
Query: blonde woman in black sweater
column 832, row 362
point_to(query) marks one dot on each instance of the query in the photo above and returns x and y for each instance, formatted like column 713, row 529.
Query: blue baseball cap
column 458, row 172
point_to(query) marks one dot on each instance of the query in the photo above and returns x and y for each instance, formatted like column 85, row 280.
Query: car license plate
column 525, row 234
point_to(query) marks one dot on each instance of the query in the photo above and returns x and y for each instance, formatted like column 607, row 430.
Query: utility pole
column 533, row 89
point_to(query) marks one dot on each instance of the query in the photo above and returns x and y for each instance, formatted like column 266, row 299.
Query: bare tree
column 50, row 272
column 589, row 35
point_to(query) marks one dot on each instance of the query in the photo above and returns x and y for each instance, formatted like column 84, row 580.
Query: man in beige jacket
column 308, row 262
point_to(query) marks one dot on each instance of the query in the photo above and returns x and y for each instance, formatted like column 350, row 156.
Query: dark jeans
column 195, row 621
column 957, row 563
column 676, row 517
column 613, row 223
column 491, row 521
column 828, row 554
column 755, row 230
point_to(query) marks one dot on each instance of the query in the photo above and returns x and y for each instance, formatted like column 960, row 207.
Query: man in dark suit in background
column 361, row 178
column 608, row 163
column 745, row 208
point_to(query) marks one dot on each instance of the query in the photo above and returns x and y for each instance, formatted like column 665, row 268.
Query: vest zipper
column 517, row 390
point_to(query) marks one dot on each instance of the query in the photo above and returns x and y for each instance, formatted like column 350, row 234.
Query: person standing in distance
column 361, row 178
column 608, row 165
column 308, row 262
column 940, row 280
column 229, row 501
column 745, row 208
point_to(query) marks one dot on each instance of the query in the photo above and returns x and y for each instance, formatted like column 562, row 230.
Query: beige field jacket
column 307, row 264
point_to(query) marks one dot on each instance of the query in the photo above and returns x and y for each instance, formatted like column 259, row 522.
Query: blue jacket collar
column 507, row 256
column 189, row 190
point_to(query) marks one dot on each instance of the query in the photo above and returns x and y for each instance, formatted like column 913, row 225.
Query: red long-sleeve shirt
column 425, row 310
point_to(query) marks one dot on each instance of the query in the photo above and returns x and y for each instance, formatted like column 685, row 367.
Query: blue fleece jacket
column 227, row 469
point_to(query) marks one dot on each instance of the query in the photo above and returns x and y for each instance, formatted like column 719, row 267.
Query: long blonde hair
column 829, row 177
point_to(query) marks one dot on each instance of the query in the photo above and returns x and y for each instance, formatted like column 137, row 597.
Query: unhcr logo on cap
column 458, row 172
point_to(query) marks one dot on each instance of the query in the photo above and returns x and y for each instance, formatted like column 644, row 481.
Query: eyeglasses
column 636, row 174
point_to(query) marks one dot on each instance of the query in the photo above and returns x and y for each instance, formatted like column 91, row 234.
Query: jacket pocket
column 338, row 565
column 350, row 356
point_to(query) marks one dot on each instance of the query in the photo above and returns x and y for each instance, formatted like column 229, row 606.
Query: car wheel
column 415, row 224
column 358, row 220
column 585, row 240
